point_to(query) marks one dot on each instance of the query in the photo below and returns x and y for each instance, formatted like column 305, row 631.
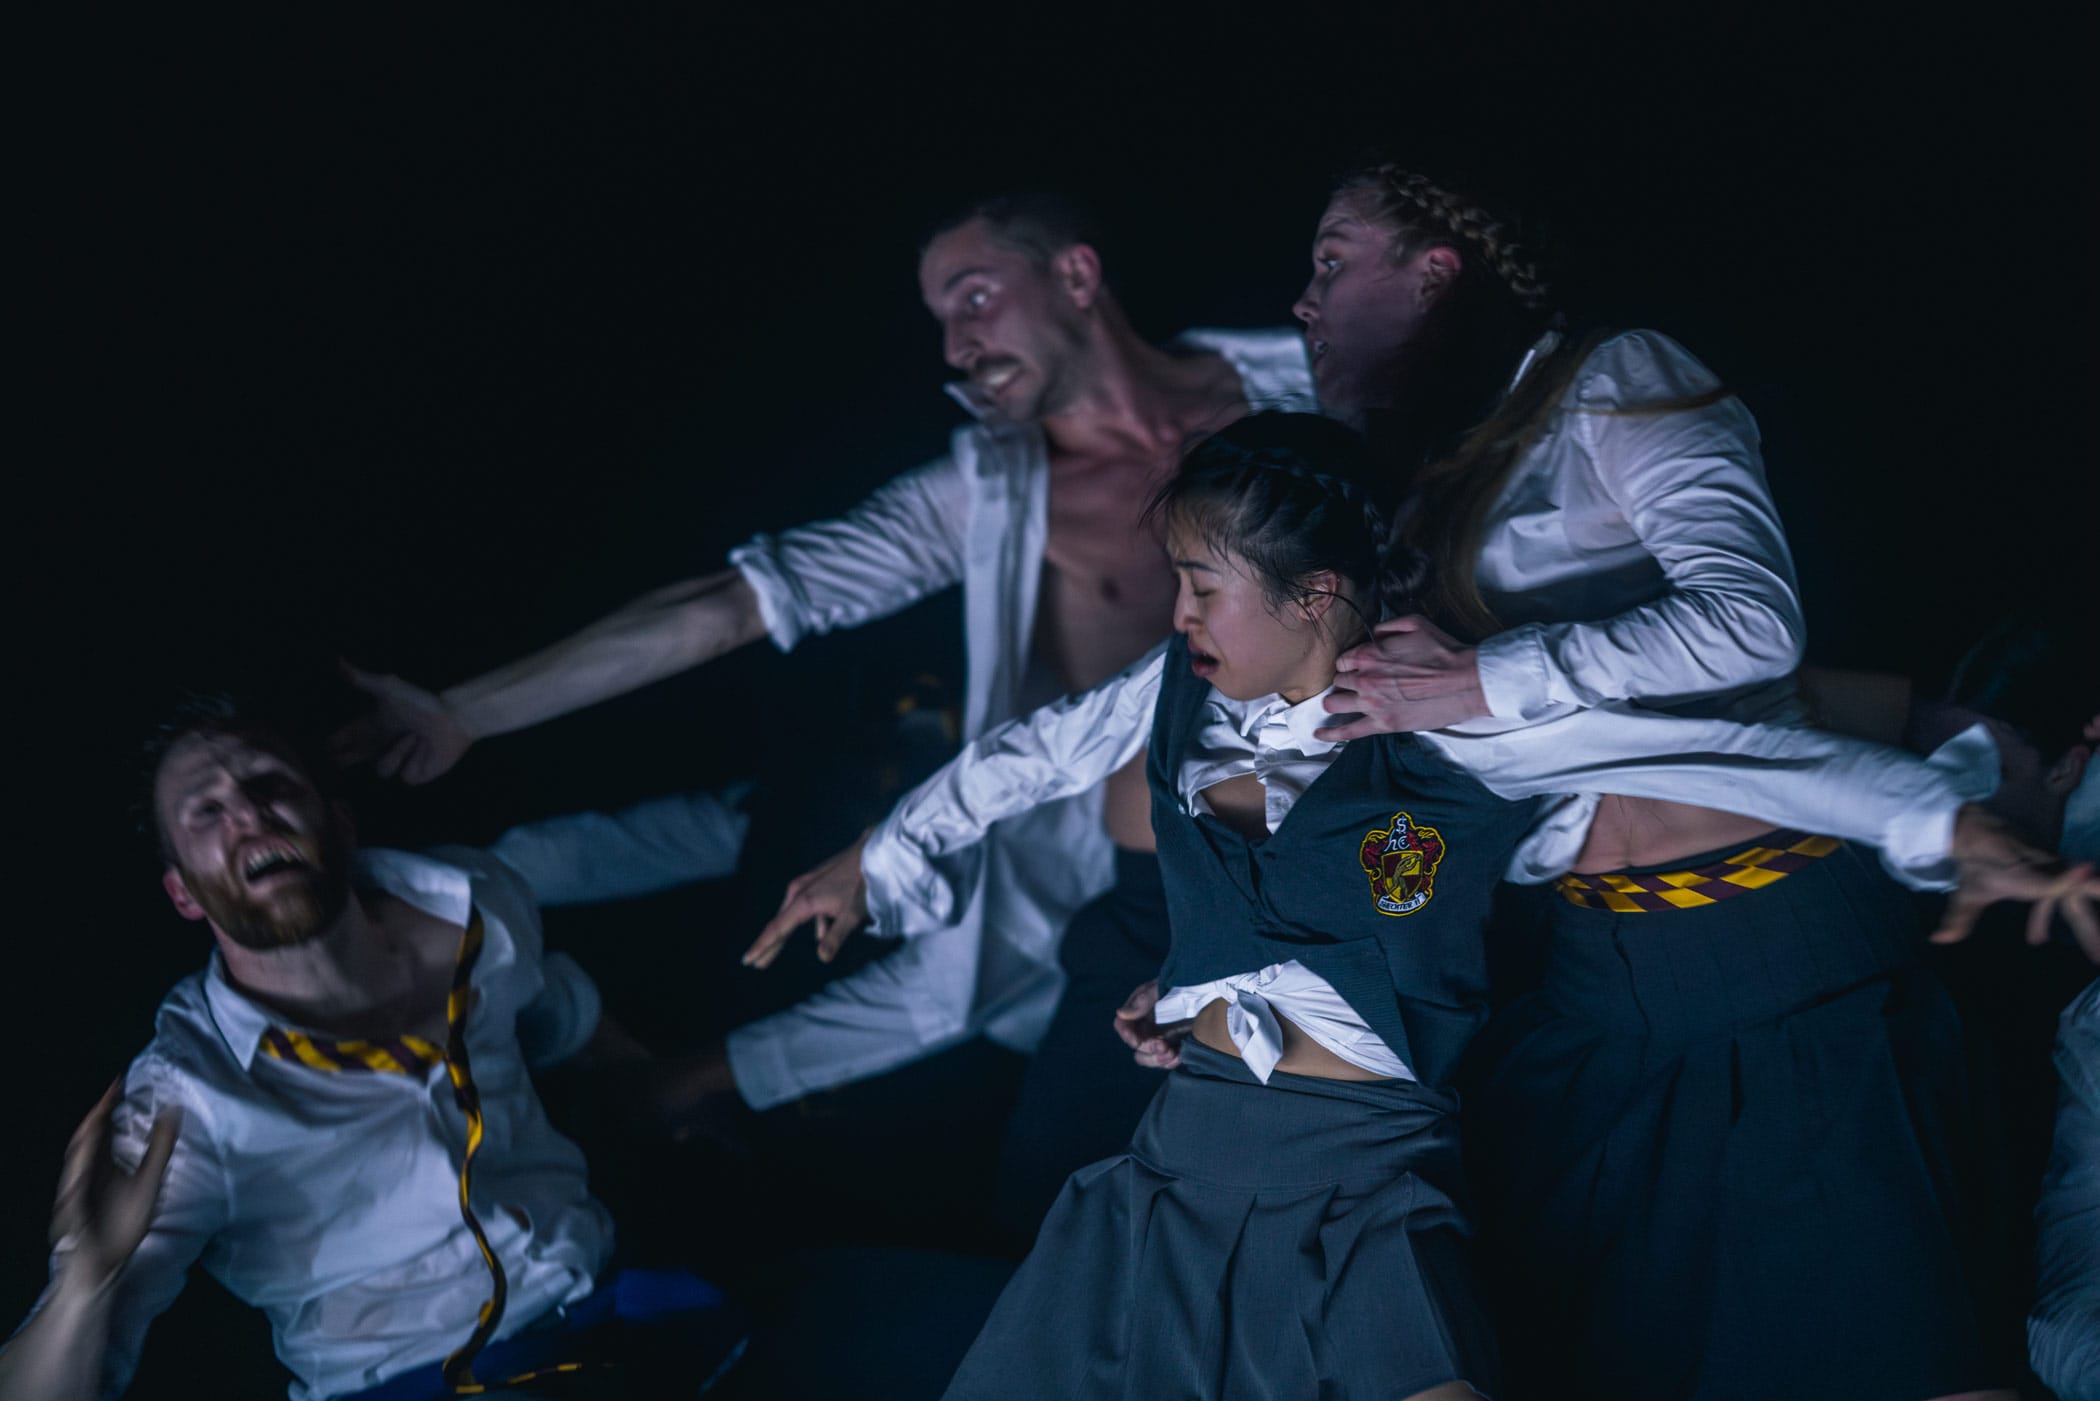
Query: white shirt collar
column 431, row 886
column 1271, row 722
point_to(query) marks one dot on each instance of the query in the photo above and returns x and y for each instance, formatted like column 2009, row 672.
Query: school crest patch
column 1401, row 860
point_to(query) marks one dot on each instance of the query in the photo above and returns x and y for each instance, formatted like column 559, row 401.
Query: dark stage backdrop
column 423, row 337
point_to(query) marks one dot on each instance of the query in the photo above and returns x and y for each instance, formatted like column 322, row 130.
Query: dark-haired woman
column 1287, row 1221
column 1720, row 1143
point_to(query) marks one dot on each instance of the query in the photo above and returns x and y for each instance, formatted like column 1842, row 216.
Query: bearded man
column 336, row 1117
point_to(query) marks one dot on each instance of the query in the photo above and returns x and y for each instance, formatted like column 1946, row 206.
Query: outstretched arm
column 894, row 873
column 1920, row 813
column 582, row 858
column 901, row 544
column 416, row 735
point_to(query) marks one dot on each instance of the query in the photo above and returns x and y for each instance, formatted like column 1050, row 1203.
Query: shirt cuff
column 758, row 1062
column 774, row 591
column 1513, row 675
column 1918, row 847
column 563, row 1018
column 900, row 880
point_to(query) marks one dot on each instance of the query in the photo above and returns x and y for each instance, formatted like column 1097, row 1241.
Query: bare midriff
column 1631, row 832
column 1301, row 1054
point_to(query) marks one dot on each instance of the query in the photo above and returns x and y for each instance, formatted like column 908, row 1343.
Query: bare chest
column 1108, row 591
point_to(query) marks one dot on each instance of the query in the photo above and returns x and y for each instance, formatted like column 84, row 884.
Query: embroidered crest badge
column 1401, row 861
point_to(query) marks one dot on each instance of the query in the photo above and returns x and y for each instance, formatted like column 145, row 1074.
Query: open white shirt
column 987, row 962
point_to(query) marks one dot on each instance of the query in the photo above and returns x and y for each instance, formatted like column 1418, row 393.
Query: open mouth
column 267, row 860
column 1202, row 663
column 996, row 376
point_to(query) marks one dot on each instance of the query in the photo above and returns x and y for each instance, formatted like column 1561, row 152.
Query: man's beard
column 295, row 908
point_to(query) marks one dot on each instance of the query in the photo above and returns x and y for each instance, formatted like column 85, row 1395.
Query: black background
column 423, row 336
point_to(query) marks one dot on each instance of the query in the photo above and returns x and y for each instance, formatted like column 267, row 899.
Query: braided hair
column 1421, row 214
column 1457, row 434
column 1294, row 495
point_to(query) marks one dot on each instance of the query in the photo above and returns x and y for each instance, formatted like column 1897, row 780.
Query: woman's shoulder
column 1635, row 369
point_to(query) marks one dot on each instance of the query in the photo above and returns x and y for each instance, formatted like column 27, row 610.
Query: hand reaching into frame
column 833, row 895
column 1995, row 863
column 409, row 733
column 104, row 1209
column 1410, row 675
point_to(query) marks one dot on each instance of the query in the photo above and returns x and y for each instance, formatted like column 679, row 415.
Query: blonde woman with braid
column 1717, row 1146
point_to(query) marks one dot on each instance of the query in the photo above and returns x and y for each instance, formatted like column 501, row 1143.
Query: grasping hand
column 1410, row 675
column 1995, row 864
column 834, row 895
column 105, row 1209
column 410, row 731
column 1156, row 1046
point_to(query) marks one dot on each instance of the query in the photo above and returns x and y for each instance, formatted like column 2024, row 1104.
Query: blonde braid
column 1411, row 202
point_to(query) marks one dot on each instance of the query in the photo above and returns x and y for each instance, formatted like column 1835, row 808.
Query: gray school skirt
column 1291, row 1240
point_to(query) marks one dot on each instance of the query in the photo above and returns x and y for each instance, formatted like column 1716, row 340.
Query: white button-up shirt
column 987, row 963
column 330, row 1200
column 1640, row 564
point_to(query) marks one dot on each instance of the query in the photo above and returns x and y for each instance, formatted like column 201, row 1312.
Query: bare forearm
column 656, row 636
column 58, row 1354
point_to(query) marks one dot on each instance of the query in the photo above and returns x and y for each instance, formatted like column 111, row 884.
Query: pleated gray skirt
column 1300, row 1239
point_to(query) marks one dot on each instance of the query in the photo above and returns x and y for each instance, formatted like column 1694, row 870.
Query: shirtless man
column 1035, row 513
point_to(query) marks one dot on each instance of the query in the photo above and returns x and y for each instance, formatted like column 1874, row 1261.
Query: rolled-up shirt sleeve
column 580, row 858
column 900, row 545
column 559, row 1022
column 2063, row 1331
column 1691, row 485
column 1791, row 777
column 1061, row 749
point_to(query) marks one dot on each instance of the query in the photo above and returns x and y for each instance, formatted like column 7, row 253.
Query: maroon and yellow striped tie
column 403, row 1055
